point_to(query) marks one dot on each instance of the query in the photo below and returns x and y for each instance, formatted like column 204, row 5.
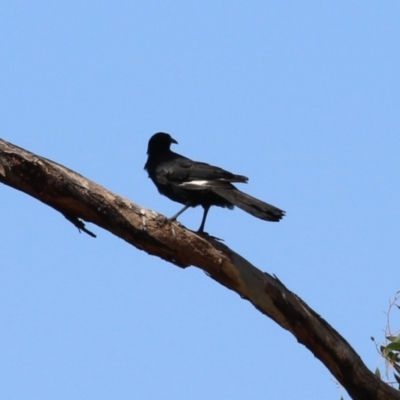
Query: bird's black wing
column 194, row 175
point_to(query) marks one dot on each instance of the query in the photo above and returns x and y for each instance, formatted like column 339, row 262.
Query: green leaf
column 393, row 357
column 394, row 346
column 385, row 351
column 378, row 373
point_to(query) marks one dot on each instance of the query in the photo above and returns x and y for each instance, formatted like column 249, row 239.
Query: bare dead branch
column 81, row 199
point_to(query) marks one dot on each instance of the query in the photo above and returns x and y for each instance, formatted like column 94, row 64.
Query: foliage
column 390, row 350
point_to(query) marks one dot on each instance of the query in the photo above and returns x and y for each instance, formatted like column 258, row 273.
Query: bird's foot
column 207, row 235
column 175, row 221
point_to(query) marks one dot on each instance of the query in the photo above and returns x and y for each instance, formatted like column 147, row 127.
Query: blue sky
column 301, row 97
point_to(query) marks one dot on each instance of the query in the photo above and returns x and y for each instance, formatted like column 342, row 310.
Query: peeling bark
column 78, row 198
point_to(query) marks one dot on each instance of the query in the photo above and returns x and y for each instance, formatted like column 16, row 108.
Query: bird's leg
column 174, row 217
column 203, row 221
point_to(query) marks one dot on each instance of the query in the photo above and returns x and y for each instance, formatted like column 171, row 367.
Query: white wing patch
column 195, row 183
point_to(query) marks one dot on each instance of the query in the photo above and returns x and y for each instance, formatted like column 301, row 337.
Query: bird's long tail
column 250, row 204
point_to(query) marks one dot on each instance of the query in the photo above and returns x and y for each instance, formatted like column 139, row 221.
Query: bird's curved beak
column 173, row 141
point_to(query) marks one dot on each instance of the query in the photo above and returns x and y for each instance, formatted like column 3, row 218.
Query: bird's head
column 160, row 142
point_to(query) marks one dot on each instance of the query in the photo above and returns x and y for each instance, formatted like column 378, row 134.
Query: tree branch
column 78, row 198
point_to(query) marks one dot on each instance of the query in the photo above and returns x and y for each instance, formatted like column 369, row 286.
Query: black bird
column 198, row 184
